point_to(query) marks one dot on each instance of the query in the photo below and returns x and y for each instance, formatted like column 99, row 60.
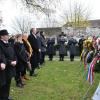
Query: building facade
column 92, row 29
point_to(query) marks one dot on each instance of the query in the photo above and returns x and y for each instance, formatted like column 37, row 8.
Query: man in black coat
column 35, row 47
column 43, row 47
column 50, row 48
column 71, row 44
column 7, row 65
column 62, row 48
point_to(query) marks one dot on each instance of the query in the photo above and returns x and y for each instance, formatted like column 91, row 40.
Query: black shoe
column 38, row 67
column 34, row 74
column 9, row 98
column 23, row 83
column 59, row 59
column 31, row 73
column 20, row 85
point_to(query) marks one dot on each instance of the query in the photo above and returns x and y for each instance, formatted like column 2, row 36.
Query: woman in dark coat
column 22, row 59
column 7, row 65
column 81, row 40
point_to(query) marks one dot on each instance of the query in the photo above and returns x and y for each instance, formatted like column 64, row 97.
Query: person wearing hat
column 7, row 65
column 71, row 44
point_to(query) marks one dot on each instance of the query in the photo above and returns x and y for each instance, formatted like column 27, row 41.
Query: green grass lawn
column 57, row 81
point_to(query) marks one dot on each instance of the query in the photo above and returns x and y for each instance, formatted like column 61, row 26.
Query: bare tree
column 39, row 5
column 21, row 24
column 50, row 14
column 47, row 7
column 77, row 16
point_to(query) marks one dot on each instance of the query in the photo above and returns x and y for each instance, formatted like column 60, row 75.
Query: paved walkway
column 66, row 58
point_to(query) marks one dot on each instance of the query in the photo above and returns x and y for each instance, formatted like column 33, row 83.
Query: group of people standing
column 24, row 52
column 63, row 46
column 18, row 54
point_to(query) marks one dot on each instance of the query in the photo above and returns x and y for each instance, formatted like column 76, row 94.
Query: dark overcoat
column 33, row 42
column 7, row 55
column 35, row 47
column 50, row 46
column 62, row 47
column 43, row 44
column 22, row 56
column 71, row 44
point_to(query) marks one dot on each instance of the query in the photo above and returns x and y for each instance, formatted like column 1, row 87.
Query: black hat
column 3, row 32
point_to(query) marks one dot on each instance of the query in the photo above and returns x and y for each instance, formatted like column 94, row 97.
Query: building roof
column 92, row 23
column 50, row 30
column 95, row 23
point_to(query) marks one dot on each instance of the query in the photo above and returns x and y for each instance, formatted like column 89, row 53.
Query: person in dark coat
column 22, row 60
column 81, row 40
column 62, row 48
column 12, row 40
column 43, row 47
column 35, row 47
column 71, row 44
column 7, row 65
column 39, row 46
column 28, row 50
column 50, row 48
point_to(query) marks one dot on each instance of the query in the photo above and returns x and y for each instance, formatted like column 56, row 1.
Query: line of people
column 17, row 55
column 63, row 45
column 24, row 52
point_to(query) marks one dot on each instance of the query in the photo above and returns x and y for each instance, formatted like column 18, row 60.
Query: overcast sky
column 9, row 9
column 94, row 6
